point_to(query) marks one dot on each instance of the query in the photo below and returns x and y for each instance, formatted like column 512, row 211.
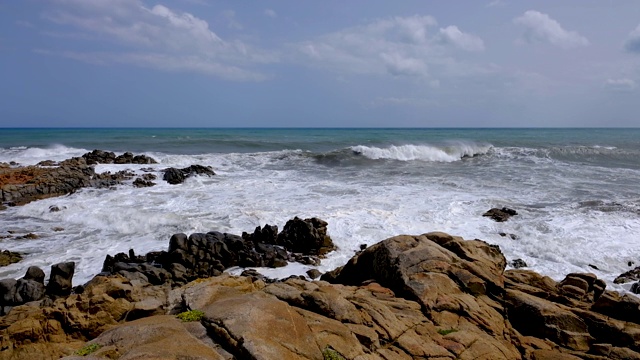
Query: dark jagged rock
column 108, row 157
column 201, row 255
column 9, row 257
column 99, row 157
column 60, row 280
column 628, row 276
column 34, row 273
column 177, row 176
column 107, row 179
column 308, row 236
column 139, row 182
column 500, row 215
column 29, row 288
column 518, row 263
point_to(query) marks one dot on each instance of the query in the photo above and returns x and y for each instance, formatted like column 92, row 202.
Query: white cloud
column 540, row 27
column 632, row 44
column 452, row 35
column 232, row 22
column 623, row 84
column 270, row 13
column 397, row 46
column 495, row 3
column 159, row 38
column 398, row 64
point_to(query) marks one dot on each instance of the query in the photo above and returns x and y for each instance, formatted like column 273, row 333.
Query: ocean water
column 576, row 192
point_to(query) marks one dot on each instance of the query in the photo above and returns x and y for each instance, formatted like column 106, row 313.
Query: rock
column 99, row 157
column 629, row 276
column 500, row 215
column 139, row 182
column 314, row 273
column 29, row 236
column 28, row 290
column 57, row 229
column 24, row 184
column 177, row 176
column 47, row 163
column 54, row 208
column 512, row 236
column 9, row 257
column 129, row 158
column 635, row 288
column 34, row 273
column 157, row 337
column 518, row 263
column 173, row 176
column 60, row 279
column 308, row 236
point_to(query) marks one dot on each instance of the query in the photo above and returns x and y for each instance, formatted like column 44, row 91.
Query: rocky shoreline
column 429, row 296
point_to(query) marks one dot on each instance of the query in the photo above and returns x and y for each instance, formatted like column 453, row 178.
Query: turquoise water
column 193, row 141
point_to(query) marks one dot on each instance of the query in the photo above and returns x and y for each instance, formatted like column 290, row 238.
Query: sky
column 291, row 63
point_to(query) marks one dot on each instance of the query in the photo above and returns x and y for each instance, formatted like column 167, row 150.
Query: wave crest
column 446, row 153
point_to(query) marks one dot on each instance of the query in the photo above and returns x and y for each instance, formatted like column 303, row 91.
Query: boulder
column 500, row 215
column 518, row 263
column 308, row 236
column 60, row 279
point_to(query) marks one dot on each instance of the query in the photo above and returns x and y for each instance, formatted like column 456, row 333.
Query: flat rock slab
column 258, row 326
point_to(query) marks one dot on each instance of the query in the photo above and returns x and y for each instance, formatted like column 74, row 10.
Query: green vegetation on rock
column 191, row 315
column 444, row 332
column 88, row 349
column 330, row 354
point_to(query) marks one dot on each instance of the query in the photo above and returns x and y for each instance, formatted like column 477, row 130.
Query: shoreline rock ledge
column 430, row 296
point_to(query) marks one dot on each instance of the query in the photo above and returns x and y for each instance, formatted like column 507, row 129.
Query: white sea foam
column 33, row 155
column 449, row 153
column 555, row 235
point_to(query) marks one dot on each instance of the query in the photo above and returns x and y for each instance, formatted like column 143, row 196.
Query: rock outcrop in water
column 500, row 215
column 177, row 176
column 202, row 255
column 432, row 296
column 21, row 185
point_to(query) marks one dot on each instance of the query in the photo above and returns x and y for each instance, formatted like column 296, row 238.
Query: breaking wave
column 447, row 153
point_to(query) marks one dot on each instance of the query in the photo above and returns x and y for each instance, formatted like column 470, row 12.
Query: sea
column 576, row 192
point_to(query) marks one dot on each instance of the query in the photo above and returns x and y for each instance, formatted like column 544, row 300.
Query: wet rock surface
column 177, row 176
column 201, row 255
column 501, row 215
column 21, row 185
column 9, row 257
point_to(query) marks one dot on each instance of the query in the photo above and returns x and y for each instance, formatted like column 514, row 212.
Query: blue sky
column 494, row 63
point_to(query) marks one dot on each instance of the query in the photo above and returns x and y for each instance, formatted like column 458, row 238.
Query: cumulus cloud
column 452, row 35
column 633, row 41
column 623, row 84
column 540, row 27
column 397, row 46
column 270, row 13
column 158, row 37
